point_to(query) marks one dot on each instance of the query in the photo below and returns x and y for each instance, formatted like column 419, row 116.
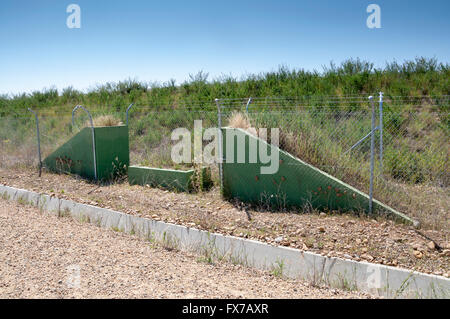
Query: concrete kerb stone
column 7, row 192
column 49, row 204
column 336, row 272
column 26, row 197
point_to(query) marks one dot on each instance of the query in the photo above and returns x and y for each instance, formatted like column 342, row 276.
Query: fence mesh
column 412, row 175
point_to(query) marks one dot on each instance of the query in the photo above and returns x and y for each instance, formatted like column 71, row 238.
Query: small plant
column 22, row 201
column 403, row 286
column 85, row 219
column 277, row 270
column 64, row 213
column 344, row 284
column 169, row 242
column 116, row 229
column 206, row 259
column 309, row 242
column 151, row 237
column 209, row 252
column 119, row 172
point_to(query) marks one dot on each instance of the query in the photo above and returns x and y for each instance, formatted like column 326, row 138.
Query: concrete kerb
column 8, row 193
column 319, row 270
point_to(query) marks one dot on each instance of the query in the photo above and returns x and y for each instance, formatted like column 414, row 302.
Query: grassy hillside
column 419, row 77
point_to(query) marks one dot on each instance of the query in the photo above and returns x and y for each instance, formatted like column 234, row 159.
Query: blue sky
column 159, row 40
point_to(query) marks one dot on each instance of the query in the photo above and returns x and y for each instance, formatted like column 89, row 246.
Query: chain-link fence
column 410, row 168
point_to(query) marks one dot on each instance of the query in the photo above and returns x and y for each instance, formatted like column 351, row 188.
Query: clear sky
column 158, row 40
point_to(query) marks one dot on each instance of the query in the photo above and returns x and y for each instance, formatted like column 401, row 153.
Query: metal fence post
column 38, row 140
column 381, row 132
column 128, row 108
column 248, row 103
column 93, row 134
column 219, row 123
column 372, row 154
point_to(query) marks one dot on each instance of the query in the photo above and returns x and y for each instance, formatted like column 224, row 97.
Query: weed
column 64, row 212
column 344, row 284
column 278, row 268
column 116, row 229
column 85, row 219
column 22, row 201
column 169, row 242
column 105, row 120
column 403, row 286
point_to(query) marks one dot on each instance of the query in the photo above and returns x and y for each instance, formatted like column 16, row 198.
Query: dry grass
column 105, row 120
column 239, row 120
column 242, row 121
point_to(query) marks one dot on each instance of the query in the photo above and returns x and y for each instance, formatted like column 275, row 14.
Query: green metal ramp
column 76, row 156
column 296, row 183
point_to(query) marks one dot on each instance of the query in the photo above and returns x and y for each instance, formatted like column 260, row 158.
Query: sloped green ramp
column 76, row 155
column 294, row 185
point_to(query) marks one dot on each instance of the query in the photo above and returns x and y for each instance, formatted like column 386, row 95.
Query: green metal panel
column 166, row 178
column 112, row 150
column 294, row 185
column 76, row 155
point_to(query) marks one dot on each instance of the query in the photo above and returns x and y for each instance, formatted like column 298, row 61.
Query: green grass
column 278, row 268
column 418, row 77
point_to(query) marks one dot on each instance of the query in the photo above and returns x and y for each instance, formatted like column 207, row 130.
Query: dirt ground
column 340, row 235
column 44, row 256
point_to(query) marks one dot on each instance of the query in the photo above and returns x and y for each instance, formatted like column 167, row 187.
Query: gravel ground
column 44, row 256
column 338, row 235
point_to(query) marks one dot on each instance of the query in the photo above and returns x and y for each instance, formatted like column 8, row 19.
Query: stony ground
column 341, row 235
column 44, row 256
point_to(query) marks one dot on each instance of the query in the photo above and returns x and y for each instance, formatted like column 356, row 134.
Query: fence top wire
column 334, row 97
column 330, row 101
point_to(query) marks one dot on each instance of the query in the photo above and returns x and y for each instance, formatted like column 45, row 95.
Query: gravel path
column 44, row 256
